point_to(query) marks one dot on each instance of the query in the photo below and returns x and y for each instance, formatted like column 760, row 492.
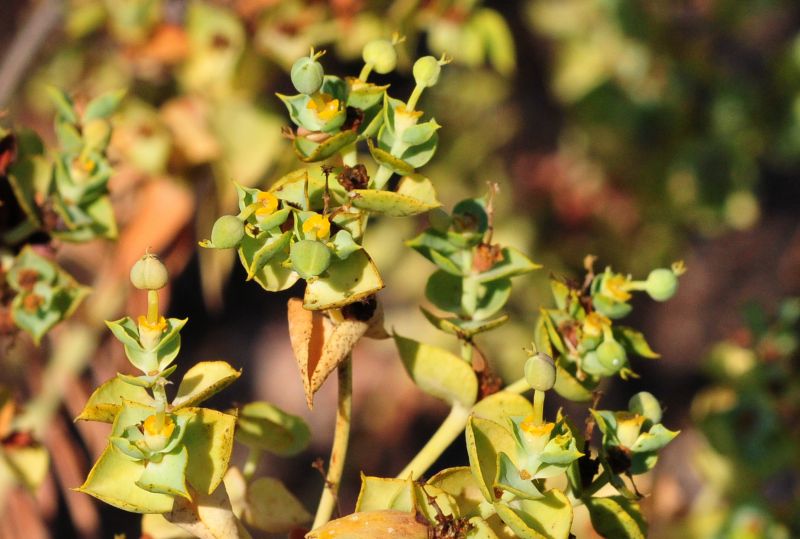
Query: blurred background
column 640, row 132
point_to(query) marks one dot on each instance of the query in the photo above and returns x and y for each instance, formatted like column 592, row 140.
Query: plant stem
column 538, row 407
column 349, row 155
column 152, row 307
column 415, row 95
column 365, row 71
column 448, row 431
column 341, row 438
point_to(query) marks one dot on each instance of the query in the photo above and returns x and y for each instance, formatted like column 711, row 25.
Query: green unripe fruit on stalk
column 149, row 273
column 381, row 54
column 309, row 258
column 307, row 75
column 228, row 232
column 426, row 71
column 661, row 284
column 540, row 372
column 645, row 404
column 611, row 355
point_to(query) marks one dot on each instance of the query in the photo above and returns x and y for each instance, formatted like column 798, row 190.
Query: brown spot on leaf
column 354, row 177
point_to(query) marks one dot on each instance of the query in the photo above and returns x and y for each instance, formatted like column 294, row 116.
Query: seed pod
column 228, row 232
column 611, row 355
column 307, row 75
column 661, row 284
column 645, row 404
column 310, row 258
column 540, row 372
column 381, row 54
column 149, row 273
column 426, row 71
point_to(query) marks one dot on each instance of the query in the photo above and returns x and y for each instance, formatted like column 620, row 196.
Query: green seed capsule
column 661, row 284
column 149, row 273
column 381, row 54
column 228, row 232
column 645, row 404
column 310, row 258
column 307, row 75
column 540, row 372
column 611, row 355
column 426, row 71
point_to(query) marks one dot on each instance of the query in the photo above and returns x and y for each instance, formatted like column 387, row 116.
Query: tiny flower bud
column 611, row 355
column 540, row 372
column 646, row 405
column 661, row 284
column 228, row 232
column 149, row 273
column 381, row 54
column 426, row 71
column 307, row 75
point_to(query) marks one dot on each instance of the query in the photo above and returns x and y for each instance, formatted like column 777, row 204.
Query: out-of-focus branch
column 25, row 45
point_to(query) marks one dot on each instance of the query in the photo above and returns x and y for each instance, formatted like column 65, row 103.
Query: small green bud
column 540, row 372
column 426, row 71
column 661, row 284
column 381, row 54
column 645, row 404
column 611, row 355
column 307, row 75
column 149, row 273
column 309, row 258
column 228, row 232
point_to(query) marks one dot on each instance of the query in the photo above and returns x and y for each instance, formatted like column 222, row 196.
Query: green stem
column 350, row 155
column 341, row 438
column 152, row 307
column 450, row 429
column 381, row 177
column 415, row 95
column 538, row 407
column 466, row 351
column 365, row 71
column 250, row 465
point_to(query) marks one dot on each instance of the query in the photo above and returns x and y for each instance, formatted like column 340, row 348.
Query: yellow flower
column 319, row 225
column 614, row 286
column 325, row 105
column 268, row 203
column 594, row 324
column 157, row 430
column 159, row 326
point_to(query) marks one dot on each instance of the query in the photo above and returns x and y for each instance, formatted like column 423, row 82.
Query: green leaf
column 364, row 95
column 107, row 400
column 438, row 372
column 167, row 476
column 420, row 133
column 389, row 203
column 419, row 155
column 113, row 481
column 272, row 508
column 345, row 282
column 389, row 161
column 616, row 517
column 461, row 485
column 310, row 152
column 378, row 493
column 548, row 517
column 63, row 103
column 202, row 381
column 28, row 466
column 463, row 328
column 103, row 105
column 509, row 479
column 209, row 440
column 498, row 407
column 272, row 276
column 513, row 263
column 418, row 187
column 447, row 292
column 485, row 440
column 270, row 249
column 569, row 387
column 635, row 341
column 267, row 427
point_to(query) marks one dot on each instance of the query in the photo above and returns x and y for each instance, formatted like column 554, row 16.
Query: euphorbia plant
column 309, row 225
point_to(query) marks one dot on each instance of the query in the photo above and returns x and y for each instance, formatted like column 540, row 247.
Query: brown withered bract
column 486, row 256
column 354, row 177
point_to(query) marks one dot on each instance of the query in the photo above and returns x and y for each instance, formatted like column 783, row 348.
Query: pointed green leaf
column 617, row 517
column 202, row 381
column 167, row 476
column 63, row 104
column 438, row 372
column 635, row 341
column 344, row 282
column 106, row 401
column 389, row 203
column 271, row 247
column 548, row 517
column 485, row 440
column 310, row 152
column 264, row 426
column 209, row 439
column 389, row 161
column 510, row 480
column 103, row 105
column 272, row 276
column 461, row 485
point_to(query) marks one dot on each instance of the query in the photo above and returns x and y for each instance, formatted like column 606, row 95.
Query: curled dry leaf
column 320, row 345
